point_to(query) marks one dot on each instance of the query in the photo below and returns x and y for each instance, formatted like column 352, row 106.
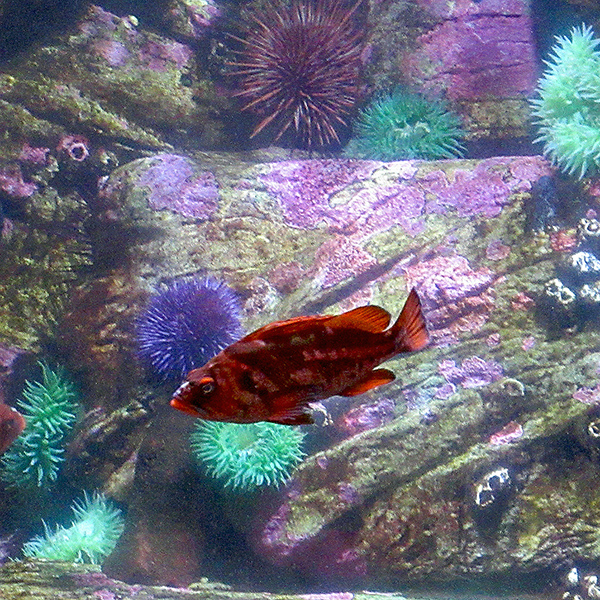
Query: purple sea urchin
column 299, row 68
column 187, row 324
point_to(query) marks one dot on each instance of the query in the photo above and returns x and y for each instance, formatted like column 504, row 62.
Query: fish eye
column 207, row 385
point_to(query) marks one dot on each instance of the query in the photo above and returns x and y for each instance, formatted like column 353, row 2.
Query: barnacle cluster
column 491, row 488
column 581, row 586
column 574, row 294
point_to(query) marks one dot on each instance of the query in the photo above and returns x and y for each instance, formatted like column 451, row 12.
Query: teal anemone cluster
column 91, row 536
column 567, row 107
column 49, row 408
column 247, row 456
column 404, row 125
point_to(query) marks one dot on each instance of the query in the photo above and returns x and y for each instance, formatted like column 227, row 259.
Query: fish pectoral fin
column 297, row 415
column 375, row 378
column 373, row 319
column 289, row 409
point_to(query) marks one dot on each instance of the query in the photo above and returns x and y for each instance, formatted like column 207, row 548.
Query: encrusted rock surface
column 479, row 55
column 492, row 401
column 113, row 81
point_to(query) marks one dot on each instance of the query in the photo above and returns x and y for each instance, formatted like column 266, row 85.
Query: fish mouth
column 184, row 407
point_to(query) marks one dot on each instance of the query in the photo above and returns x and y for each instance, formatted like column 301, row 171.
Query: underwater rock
column 313, row 236
column 479, row 55
column 161, row 543
column 113, row 82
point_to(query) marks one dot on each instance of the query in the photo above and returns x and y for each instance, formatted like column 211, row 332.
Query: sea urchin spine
column 299, row 68
column 185, row 325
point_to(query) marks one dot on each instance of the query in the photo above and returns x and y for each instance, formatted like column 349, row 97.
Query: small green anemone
column 404, row 125
column 567, row 107
column 91, row 537
column 247, row 456
column 49, row 408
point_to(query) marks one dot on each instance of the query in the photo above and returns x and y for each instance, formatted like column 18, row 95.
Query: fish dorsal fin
column 283, row 328
column 373, row 319
column 374, row 379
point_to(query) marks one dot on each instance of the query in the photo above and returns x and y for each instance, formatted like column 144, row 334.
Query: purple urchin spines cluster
column 185, row 325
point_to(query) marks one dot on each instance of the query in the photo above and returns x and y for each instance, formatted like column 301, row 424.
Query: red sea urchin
column 299, row 68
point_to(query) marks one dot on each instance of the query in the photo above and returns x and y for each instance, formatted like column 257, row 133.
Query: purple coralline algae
column 175, row 186
column 497, row 250
column 366, row 416
column 13, row 185
column 456, row 298
column 151, row 54
column 588, row 395
column 305, row 189
column 473, row 372
column 340, row 258
column 34, row 155
column 509, row 433
column 477, row 192
column 476, row 51
column 334, row 194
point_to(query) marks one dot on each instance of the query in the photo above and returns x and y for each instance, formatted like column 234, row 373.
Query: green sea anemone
column 91, row 537
column 404, row 125
column 567, row 108
column 49, row 408
column 247, row 456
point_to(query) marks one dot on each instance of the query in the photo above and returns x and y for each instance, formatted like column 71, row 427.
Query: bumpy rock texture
column 457, row 469
column 479, row 55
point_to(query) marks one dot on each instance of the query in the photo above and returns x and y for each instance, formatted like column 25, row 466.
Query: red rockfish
column 274, row 373
column 12, row 424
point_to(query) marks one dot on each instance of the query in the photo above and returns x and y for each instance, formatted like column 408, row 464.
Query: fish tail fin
column 410, row 330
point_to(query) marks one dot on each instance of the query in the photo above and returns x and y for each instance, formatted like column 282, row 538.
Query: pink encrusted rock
column 456, row 298
column 473, row 372
column 477, row 56
column 12, row 183
column 366, row 416
column 305, row 188
column 480, row 191
column 176, row 186
column 588, row 395
column 496, row 250
column 509, row 433
column 340, row 258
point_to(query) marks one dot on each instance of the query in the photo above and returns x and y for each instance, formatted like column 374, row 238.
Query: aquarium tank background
column 222, row 207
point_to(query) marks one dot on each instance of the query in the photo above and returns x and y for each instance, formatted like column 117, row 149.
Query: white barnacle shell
column 573, row 577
